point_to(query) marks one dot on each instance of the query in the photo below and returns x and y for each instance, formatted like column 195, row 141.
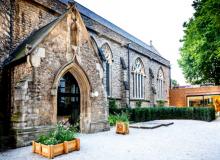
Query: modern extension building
column 196, row 96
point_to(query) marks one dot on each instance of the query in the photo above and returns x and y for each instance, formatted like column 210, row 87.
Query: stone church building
column 61, row 61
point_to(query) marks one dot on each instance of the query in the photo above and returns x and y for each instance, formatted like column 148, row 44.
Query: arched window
column 97, row 49
column 109, row 59
column 160, row 80
column 107, row 53
column 94, row 44
column 138, row 78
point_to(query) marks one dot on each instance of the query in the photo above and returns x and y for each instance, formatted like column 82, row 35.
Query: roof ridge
column 87, row 12
column 91, row 14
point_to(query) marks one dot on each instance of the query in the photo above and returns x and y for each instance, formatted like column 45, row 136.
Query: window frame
column 138, row 72
column 199, row 95
column 107, row 52
column 160, row 84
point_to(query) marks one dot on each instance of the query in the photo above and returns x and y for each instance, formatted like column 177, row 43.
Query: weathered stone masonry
column 43, row 40
column 118, row 44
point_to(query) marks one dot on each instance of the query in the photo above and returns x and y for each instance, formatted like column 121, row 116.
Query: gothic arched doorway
column 84, row 92
column 68, row 99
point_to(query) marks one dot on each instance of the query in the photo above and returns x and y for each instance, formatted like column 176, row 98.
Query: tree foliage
column 200, row 53
column 174, row 83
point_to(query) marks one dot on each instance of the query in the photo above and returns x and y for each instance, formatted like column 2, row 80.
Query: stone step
column 150, row 124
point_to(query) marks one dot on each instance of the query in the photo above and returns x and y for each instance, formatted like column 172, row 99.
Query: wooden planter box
column 122, row 128
column 73, row 145
column 36, row 147
column 50, row 151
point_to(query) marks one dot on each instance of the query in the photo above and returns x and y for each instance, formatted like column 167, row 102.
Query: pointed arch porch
column 85, row 90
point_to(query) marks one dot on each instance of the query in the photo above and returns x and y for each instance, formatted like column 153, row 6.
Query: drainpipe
column 129, row 91
column 170, row 85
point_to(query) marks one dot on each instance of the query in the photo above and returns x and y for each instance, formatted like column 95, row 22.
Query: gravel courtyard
column 184, row 140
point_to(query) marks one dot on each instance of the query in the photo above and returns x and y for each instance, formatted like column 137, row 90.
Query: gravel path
column 184, row 140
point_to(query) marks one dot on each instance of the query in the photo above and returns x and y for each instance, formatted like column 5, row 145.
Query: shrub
column 153, row 113
column 115, row 111
column 112, row 119
column 112, row 103
column 138, row 103
column 161, row 103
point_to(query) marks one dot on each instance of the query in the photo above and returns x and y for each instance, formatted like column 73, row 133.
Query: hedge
column 156, row 113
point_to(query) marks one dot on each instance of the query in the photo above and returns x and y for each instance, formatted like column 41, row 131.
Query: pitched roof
column 37, row 36
column 85, row 11
column 32, row 41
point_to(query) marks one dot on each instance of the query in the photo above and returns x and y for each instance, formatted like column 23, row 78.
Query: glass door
column 68, row 99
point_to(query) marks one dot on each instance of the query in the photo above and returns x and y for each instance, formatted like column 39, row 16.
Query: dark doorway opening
column 68, row 100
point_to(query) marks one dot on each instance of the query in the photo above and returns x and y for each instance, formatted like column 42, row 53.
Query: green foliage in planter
column 60, row 134
column 42, row 138
column 121, row 117
column 50, row 141
column 155, row 113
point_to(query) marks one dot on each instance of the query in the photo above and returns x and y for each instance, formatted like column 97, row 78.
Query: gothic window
column 160, row 84
column 107, row 53
column 97, row 49
column 94, row 44
column 138, row 78
column 108, row 79
column 109, row 59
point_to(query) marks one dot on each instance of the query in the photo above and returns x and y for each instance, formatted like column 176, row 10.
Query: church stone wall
column 5, row 35
column 29, row 17
column 32, row 86
column 32, row 108
column 118, row 45
column 32, row 15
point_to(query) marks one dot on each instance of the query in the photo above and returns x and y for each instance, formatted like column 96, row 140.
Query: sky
column 157, row 20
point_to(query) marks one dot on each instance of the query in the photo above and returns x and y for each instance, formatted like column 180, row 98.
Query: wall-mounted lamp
column 95, row 94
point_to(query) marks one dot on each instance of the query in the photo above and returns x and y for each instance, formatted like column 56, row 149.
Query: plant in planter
column 122, row 123
column 61, row 140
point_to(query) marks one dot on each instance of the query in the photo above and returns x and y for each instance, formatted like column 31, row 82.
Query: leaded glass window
column 138, row 78
column 109, row 59
column 160, row 84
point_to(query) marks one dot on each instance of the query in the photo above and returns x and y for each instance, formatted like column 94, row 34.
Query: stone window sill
column 139, row 99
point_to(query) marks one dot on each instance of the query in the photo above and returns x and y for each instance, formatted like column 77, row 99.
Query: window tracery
column 138, row 79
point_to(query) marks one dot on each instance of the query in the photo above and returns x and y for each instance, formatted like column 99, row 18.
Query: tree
column 200, row 52
column 174, row 83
